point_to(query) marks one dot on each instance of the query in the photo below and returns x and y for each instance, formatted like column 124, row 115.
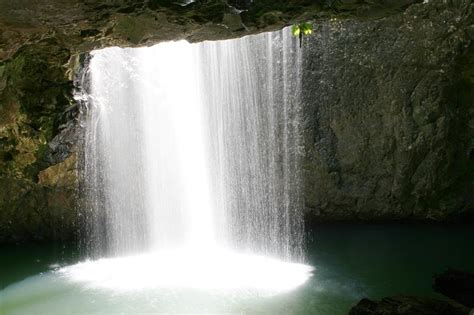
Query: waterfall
column 196, row 147
column 251, row 88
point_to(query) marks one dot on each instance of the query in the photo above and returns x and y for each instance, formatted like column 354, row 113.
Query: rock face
column 389, row 87
column 83, row 25
column 390, row 117
column 35, row 95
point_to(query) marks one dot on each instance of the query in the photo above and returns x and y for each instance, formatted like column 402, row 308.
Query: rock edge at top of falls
column 82, row 26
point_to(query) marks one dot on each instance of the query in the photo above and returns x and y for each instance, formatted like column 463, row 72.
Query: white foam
column 211, row 270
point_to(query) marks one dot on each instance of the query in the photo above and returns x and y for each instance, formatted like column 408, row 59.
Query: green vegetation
column 302, row 29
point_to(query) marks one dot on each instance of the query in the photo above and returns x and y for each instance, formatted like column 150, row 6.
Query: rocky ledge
column 80, row 25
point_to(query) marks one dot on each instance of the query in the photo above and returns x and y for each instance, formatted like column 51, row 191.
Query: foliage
column 302, row 29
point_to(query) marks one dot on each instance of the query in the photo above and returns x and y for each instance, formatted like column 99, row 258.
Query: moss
column 31, row 106
column 36, row 79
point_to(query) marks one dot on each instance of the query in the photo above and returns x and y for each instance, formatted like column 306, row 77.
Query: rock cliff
column 389, row 116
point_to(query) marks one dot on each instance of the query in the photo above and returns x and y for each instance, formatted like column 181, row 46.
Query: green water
column 18, row 262
column 351, row 262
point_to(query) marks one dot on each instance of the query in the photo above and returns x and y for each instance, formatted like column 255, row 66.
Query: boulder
column 408, row 305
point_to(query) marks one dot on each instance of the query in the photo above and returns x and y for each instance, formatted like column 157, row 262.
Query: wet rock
column 33, row 212
column 36, row 199
column 60, row 175
column 408, row 305
column 457, row 285
column 64, row 144
column 387, row 111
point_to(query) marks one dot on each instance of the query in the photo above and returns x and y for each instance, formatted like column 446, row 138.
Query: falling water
column 252, row 108
column 190, row 180
column 195, row 146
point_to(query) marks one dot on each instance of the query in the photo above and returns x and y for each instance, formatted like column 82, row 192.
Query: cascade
column 192, row 150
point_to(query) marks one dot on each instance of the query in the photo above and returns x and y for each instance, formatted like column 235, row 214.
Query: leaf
column 302, row 28
column 306, row 28
column 295, row 30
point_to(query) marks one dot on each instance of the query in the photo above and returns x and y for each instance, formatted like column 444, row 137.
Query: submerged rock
column 457, row 285
column 408, row 305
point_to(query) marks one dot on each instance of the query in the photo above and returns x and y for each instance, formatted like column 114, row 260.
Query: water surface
column 351, row 262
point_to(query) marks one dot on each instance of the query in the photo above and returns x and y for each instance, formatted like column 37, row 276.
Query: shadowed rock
column 390, row 125
column 457, row 285
column 85, row 25
column 407, row 305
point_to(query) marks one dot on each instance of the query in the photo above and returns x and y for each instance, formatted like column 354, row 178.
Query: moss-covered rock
column 35, row 93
